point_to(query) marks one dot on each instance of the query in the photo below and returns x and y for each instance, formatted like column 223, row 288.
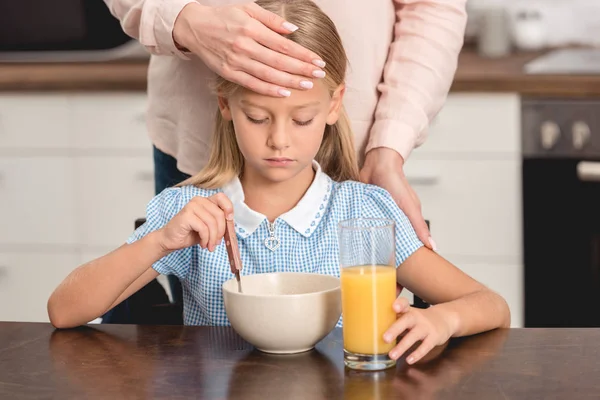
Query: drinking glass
column 368, row 280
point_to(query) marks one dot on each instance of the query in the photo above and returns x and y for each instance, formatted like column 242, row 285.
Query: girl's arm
column 96, row 287
column 468, row 306
column 460, row 306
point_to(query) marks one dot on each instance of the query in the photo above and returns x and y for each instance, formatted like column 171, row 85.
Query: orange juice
column 368, row 293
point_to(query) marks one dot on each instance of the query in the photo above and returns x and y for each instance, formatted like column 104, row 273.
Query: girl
column 285, row 170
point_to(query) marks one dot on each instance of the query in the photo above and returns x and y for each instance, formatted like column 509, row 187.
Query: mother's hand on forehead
column 242, row 43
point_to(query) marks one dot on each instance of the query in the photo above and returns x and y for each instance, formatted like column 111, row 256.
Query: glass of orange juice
column 368, row 279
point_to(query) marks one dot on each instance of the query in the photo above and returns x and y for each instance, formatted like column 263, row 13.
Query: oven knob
column 550, row 132
column 581, row 134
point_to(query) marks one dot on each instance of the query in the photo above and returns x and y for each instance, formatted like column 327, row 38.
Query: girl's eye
column 304, row 123
column 256, row 121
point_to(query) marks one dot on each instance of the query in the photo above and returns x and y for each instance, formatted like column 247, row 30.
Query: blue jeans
column 150, row 304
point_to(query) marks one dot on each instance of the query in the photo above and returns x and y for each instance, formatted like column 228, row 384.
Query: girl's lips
column 279, row 162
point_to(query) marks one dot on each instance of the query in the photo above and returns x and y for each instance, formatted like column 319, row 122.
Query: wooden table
column 176, row 362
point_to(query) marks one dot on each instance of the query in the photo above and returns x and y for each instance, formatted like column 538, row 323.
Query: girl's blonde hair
column 337, row 155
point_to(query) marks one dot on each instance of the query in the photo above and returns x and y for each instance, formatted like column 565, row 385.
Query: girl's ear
column 336, row 104
column 224, row 108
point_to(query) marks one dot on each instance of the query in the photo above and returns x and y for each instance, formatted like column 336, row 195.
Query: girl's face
column 279, row 137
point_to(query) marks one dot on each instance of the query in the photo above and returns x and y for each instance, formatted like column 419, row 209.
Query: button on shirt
column 307, row 238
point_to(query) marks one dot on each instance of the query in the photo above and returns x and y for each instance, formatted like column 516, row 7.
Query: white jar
column 528, row 30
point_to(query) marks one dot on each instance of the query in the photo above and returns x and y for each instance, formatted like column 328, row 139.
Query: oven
column 561, row 212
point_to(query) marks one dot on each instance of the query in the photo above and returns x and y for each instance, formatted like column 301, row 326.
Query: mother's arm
column 421, row 64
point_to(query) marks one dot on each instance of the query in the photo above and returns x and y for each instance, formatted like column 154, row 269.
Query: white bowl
column 283, row 312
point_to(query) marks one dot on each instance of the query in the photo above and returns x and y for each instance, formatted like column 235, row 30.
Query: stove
column 561, row 212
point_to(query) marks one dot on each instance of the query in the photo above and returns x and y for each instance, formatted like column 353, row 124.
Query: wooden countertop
column 114, row 76
column 474, row 74
column 176, row 362
column 478, row 74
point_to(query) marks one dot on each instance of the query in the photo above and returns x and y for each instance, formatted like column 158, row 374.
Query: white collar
column 304, row 217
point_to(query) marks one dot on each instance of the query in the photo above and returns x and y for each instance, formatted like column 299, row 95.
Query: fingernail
column 410, row 360
column 387, row 338
column 289, row 26
column 284, row 93
column 432, row 243
column 306, row 84
column 319, row 63
column 318, row 74
column 230, row 217
column 393, row 355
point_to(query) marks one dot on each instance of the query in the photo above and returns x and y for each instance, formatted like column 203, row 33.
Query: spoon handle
column 233, row 251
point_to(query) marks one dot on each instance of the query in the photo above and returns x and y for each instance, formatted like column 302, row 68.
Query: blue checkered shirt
column 308, row 237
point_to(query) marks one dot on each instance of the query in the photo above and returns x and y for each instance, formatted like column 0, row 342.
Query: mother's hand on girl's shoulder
column 201, row 221
column 384, row 167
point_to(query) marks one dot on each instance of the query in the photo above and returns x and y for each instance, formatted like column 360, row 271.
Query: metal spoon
column 233, row 252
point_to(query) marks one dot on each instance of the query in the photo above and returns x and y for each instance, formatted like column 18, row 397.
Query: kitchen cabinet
column 75, row 172
column 472, row 204
column 27, row 279
column 29, row 122
column 37, row 199
column 109, row 121
column 112, row 193
column 468, row 178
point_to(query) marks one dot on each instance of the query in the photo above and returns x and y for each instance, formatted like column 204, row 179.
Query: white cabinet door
column 113, row 192
column 506, row 280
column 474, row 206
column 28, row 279
column 37, row 199
column 30, row 121
column 109, row 121
column 472, row 123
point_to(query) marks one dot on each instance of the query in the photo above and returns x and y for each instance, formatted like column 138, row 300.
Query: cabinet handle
column 145, row 176
column 588, row 171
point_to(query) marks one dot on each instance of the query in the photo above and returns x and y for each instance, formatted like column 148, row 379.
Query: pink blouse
column 403, row 56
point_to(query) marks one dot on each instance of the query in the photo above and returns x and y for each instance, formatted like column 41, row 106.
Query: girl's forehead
column 315, row 97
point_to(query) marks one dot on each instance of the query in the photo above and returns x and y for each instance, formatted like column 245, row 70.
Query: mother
column 402, row 56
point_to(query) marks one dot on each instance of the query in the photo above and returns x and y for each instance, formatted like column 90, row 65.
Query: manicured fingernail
column 319, row 63
column 290, row 27
column 318, row 74
column 432, row 243
column 306, row 84
column 410, row 360
column 284, row 93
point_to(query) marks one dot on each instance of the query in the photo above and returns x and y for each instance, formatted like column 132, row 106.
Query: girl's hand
column 431, row 326
column 201, row 221
column 242, row 43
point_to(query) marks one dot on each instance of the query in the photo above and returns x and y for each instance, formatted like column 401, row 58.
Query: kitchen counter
column 478, row 74
column 474, row 74
column 172, row 362
column 116, row 76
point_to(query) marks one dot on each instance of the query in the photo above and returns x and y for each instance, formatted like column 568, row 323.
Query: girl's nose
column 278, row 137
